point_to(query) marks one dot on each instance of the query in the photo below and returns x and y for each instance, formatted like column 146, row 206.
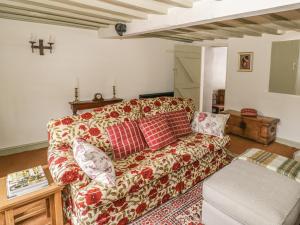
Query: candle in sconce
column 76, row 82
column 33, row 37
column 51, row 39
column 114, row 82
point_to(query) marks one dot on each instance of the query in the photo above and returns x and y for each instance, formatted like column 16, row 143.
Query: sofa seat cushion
column 146, row 166
column 251, row 194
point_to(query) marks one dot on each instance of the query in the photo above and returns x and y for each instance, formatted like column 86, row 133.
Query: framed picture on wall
column 245, row 61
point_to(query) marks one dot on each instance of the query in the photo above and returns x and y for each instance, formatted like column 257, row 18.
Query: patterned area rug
column 184, row 210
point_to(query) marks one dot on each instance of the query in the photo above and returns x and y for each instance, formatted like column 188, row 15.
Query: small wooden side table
column 51, row 194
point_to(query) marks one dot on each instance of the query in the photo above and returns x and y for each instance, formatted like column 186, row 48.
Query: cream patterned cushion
column 210, row 123
column 94, row 162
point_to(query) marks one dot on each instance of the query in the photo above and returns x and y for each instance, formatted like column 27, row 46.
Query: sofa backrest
column 91, row 126
column 152, row 106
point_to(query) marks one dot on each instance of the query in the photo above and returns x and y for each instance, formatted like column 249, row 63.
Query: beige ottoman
column 248, row 194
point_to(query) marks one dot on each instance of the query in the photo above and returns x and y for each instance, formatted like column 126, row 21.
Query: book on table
column 25, row 181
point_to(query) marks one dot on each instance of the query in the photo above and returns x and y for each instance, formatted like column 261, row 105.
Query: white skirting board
column 23, row 148
column 288, row 142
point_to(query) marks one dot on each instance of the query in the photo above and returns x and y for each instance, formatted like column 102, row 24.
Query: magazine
column 25, row 181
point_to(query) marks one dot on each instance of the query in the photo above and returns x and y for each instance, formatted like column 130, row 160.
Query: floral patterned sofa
column 145, row 179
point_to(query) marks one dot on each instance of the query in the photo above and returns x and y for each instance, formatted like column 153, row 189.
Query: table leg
column 2, row 219
column 9, row 217
column 56, row 209
column 48, row 207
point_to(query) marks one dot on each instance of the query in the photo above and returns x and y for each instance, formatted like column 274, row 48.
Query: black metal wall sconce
column 41, row 45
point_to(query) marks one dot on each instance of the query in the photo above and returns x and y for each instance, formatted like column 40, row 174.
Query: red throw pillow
column 156, row 131
column 179, row 122
column 249, row 112
column 126, row 138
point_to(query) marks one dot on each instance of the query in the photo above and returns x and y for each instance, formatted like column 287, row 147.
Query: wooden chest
column 261, row 129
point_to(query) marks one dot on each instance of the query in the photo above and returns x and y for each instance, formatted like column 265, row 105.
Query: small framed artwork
column 245, row 61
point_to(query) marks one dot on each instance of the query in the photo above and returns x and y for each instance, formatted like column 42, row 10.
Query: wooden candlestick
column 114, row 91
column 76, row 95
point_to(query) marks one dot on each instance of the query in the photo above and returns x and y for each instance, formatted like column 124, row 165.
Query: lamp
column 41, row 46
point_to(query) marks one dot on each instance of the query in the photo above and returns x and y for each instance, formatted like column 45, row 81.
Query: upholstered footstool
column 250, row 194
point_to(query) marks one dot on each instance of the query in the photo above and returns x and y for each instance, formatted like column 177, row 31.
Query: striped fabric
column 277, row 163
column 126, row 138
column 179, row 122
column 156, row 131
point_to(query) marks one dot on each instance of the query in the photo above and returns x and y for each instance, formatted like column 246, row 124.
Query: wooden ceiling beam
column 45, row 21
column 105, row 7
column 168, row 38
column 178, row 3
column 248, row 24
column 170, row 34
column 188, row 33
column 199, row 36
column 19, row 5
column 179, row 35
column 206, row 35
column 230, row 30
column 75, row 9
column 282, row 22
column 214, row 32
column 38, row 15
column 142, row 5
column 193, row 35
column 228, row 27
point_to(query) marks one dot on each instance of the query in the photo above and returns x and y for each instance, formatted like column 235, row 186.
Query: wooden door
column 187, row 72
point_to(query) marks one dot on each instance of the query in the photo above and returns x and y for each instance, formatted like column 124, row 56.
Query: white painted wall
column 251, row 89
column 35, row 88
column 215, row 64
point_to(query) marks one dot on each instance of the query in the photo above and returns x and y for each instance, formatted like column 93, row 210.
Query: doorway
column 214, row 78
column 187, row 72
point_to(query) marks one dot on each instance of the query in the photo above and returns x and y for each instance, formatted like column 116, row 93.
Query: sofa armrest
column 64, row 168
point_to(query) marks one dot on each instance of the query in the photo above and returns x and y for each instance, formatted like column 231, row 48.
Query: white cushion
column 209, row 123
column 94, row 162
column 251, row 194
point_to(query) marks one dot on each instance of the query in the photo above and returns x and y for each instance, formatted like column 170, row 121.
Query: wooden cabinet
column 261, row 129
